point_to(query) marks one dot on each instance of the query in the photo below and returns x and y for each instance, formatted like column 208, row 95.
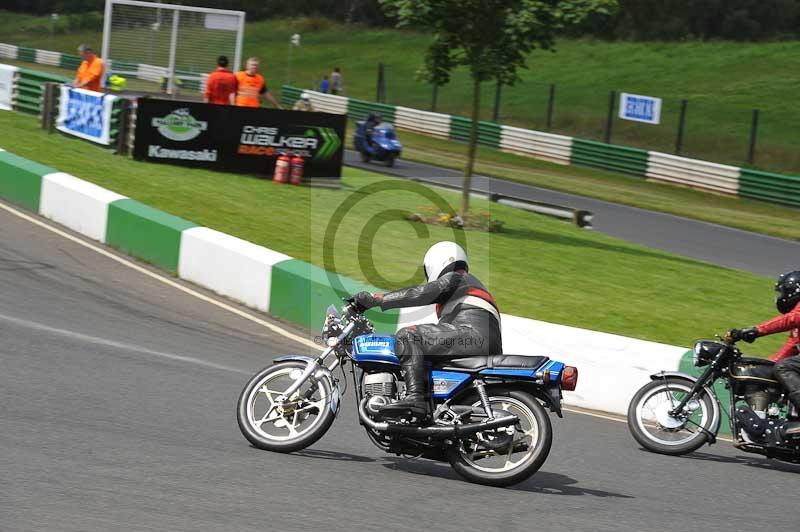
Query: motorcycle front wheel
column 656, row 430
column 508, row 455
column 298, row 422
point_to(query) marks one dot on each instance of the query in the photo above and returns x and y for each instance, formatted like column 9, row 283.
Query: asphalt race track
column 725, row 246
column 118, row 396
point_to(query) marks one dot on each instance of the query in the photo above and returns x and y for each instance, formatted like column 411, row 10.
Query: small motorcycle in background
column 677, row 414
column 489, row 419
column 381, row 145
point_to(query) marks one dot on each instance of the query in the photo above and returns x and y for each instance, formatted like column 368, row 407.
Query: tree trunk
column 473, row 145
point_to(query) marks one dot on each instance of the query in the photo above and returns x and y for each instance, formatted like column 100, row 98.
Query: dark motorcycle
column 677, row 414
column 488, row 420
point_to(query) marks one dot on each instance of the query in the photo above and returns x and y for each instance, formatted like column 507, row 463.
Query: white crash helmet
column 442, row 258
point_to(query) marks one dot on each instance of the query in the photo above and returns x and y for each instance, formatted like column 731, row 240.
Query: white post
column 172, row 50
column 106, row 31
column 237, row 56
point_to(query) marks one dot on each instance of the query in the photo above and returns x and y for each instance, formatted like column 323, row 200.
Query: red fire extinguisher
column 297, row 170
column 281, row 174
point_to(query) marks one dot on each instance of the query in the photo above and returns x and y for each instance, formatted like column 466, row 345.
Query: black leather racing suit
column 469, row 321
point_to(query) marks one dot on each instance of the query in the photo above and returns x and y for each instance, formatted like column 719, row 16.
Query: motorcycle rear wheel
column 657, row 431
column 477, row 463
column 300, row 422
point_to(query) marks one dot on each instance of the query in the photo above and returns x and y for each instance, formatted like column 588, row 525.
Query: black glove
column 749, row 334
column 365, row 300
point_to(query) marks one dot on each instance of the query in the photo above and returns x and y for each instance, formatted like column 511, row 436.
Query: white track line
column 271, row 326
column 122, row 346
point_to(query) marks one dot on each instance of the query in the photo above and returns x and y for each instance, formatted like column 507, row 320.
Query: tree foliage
column 635, row 19
column 491, row 38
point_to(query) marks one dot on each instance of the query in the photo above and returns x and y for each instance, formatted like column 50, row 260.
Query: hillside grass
column 723, row 82
column 538, row 267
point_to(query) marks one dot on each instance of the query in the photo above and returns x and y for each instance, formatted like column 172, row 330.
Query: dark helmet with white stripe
column 787, row 291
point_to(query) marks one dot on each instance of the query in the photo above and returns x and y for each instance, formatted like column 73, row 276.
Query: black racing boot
column 791, row 429
column 416, row 403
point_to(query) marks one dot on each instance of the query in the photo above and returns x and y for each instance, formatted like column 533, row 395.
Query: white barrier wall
column 151, row 72
column 693, row 172
column 428, row 123
column 611, row 368
column 46, row 57
column 228, row 265
column 546, row 146
column 327, row 103
column 9, row 51
column 77, row 204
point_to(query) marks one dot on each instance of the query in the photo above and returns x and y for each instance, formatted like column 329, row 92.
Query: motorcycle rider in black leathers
column 469, row 322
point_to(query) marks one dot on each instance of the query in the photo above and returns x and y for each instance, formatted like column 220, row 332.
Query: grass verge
column 540, row 268
column 742, row 213
column 749, row 215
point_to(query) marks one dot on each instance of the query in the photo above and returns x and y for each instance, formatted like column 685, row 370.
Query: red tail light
column 569, row 378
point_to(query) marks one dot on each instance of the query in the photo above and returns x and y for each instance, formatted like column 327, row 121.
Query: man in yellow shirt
column 90, row 73
column 251, row 87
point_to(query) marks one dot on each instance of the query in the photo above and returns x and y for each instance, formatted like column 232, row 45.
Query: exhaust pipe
column 438, row 432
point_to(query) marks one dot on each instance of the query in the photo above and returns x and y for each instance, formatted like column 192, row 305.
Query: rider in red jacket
column 787, row 359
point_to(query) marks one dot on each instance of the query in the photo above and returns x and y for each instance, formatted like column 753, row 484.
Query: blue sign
column 85, row 114
column 640, row 108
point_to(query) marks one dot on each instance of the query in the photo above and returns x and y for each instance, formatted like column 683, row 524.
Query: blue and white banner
column 85, row 114
column 640, row 108
column 7, row 73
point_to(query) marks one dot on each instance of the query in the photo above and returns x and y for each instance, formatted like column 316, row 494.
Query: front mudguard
column 716, row 417
column 336, row 392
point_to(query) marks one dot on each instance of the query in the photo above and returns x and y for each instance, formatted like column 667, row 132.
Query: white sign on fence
column 7, row 73
column 640, row 108
column 85, row 114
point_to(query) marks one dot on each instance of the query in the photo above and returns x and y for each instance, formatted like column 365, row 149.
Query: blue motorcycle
column 489, row 420
column 378, row 144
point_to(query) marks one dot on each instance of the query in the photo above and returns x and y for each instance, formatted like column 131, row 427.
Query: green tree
column 492, row 38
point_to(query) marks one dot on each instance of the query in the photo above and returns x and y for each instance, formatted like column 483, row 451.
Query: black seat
column 753, row 368
column 475, row 364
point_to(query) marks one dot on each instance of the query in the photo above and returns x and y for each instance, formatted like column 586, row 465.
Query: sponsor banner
column 238, row 139
column 85, row 114
column 640, row 108
column 7, row 73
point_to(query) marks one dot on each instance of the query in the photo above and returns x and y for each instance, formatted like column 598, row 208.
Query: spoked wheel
column 507, row 455
column 652, row 425
column 293, row 425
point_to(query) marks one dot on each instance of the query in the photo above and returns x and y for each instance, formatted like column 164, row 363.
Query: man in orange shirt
column 90, row 73
column 250, row 87
column 221, row 84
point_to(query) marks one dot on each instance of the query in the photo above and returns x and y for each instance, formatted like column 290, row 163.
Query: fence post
column 124, row 125
column 751, row 152
column 380, row 89
column 497, row 93
column 550, row 99
column 49, row 97
column 612, row 96
column 435, row 97
column 681, row 125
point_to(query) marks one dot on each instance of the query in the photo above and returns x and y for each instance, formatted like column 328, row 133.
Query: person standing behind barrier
column 303, row 104
column 90, row 71
column 221, row 84
column 251, row 87
column 336, row 81
column 324, row 85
